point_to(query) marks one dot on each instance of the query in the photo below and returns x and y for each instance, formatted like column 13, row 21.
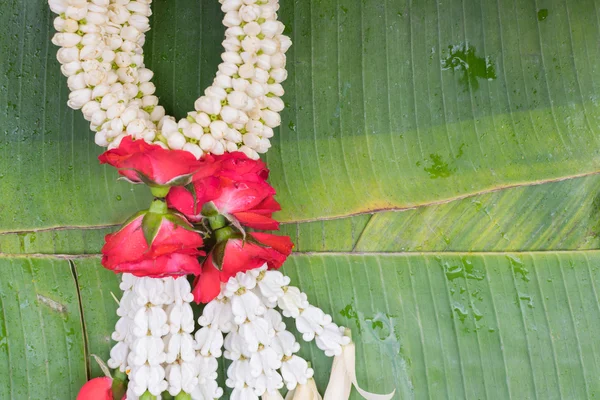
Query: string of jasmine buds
column 262, row 351
column 102, row 55
column 155, row 346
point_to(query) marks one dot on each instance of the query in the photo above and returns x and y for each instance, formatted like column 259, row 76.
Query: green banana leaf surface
column 437, row 165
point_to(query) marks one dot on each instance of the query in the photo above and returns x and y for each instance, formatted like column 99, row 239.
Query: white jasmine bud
column 130, row 33
column 101, row 140
column 147, row 88
column 231, row 147
column 268, row 11
column 264, row 62
column 269, row 46
column 139, row 7
column 203, row 119
column 96, row 18
column 148, row 101
column 209, row 105
column 66, row 39
column 115, row 110
column 252, row 28
column 228, row 69
column 76, row 82
column 271, row 118
column 252, row 154
column 237, row 99
column 136, row 127
column 58, row 6
column 271, row 28
column 232, row 44
column 267, row 132
column 207, row 142
column 251, row 140
column 249, row 13
column 216, row 92
column 90, row 108
column 230, row 114
column 98, row 117
column 67, row 54
column 256, row 89
column 246, row 71
column 222, row 81
column 232, row 18
column 76, row 13
column 140, row 22
column 123, row 59
column 284, row 43
column 78, row 98
column 231, row 57
column 118, row 14
column 231, row 5
column 168, row 126
column 176, row 141
column 157, row 113
column 194, row 149
column 278, row 60
column 274, row 103
column 263, row 146
column 276, row 89
column 251, row 44
column 279, row 75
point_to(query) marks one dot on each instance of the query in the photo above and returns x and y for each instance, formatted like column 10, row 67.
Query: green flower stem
column 224, row 233
column 119, row 387
column 217, row 222
column 147, row 396
column 183, row 396
column 160, row 191
column 158, row 207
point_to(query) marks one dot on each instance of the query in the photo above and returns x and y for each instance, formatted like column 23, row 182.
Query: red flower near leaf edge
column 240, row 256
column 239, row 190
column 251, row 203
column 96, row 389
column 140, row 162
column 174, row 250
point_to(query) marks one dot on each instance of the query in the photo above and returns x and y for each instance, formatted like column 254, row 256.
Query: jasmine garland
column 209, row 187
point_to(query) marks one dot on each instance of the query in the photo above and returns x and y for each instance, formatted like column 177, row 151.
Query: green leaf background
column 437, row 167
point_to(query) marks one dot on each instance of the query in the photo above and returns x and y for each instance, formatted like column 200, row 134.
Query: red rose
column 251, row 203
column 173, row 249
column 205, row 190
column 139, row 161
column 96, row 389
column 239, row 256
column 238, row 167
column 240, row 191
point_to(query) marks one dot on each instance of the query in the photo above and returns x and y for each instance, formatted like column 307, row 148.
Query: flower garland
column 210, row 187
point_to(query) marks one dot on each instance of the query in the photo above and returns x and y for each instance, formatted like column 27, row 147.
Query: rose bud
column 249, row 203
column 233, row 255
column 140, row 162
column 96, row 389
column 239, row 192
column 154, row 243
